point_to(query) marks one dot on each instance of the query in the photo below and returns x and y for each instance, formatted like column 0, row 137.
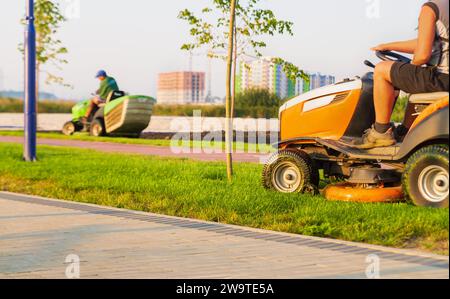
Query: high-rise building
column 318, row 80
column 301, row 86
column 265, row 74
column 181, row 88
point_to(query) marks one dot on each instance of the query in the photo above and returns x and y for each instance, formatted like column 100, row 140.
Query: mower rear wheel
column 426, row 177
column 69, row 128
column 97, row 128
column 291, row 171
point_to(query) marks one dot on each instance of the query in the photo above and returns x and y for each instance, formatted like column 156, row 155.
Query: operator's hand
column 380, row 47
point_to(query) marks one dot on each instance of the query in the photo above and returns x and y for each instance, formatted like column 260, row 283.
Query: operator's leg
column 381, row 134
column 384, row 96
column 94, row 103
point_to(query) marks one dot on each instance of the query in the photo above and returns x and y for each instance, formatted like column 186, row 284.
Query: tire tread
column 435, row 151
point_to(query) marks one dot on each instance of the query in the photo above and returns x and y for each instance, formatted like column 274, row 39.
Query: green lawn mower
column 121, row 115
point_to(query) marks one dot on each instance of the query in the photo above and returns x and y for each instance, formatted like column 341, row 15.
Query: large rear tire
column 97, row 128
column 426, row 177
column 291, row 171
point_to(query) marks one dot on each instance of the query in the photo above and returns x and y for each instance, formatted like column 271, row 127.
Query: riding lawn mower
column 319, row 129
column 121, row 115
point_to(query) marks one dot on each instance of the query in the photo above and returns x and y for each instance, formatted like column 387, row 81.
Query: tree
column 257, row 97
column 49, row 49
column 229, row 119
column 257, row 103
column 244, row 32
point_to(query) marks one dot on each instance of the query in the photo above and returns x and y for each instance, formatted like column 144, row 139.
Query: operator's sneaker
column 372, row 139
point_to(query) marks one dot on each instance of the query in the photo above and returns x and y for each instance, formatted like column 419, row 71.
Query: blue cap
column 100, row 73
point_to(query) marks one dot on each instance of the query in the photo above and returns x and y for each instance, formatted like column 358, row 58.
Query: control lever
column 369, row 64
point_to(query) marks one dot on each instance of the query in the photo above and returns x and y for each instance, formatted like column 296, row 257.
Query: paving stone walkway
column 42, row 238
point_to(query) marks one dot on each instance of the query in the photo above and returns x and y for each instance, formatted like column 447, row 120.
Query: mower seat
column 115, row 95
column 427, row 98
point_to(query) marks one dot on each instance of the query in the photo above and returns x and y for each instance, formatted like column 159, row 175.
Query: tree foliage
column 253, row 25
column 253, row 98
column 49, row 49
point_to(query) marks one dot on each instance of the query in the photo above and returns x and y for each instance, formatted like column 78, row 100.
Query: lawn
column 185, row 188
column 10, row 105
column 239, row 146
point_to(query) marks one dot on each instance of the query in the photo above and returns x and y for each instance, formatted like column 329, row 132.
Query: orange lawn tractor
column 317, row 132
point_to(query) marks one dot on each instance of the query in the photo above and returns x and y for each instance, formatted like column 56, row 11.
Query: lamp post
column 30, row 123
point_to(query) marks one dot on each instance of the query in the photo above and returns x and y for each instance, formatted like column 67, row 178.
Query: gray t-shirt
column 440, row 56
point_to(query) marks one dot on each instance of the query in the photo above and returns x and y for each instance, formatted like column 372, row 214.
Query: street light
column 30, row 123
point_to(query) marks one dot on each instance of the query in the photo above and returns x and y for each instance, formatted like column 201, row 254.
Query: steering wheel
column 392, row 56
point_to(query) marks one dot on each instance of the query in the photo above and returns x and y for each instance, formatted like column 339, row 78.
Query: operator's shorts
column 98, row 100
column 415, row 79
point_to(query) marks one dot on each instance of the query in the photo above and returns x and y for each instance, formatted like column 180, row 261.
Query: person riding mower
column 111, row 112
column 108, row 85
column 120, row 115
column 428, row 71
column 408, row 161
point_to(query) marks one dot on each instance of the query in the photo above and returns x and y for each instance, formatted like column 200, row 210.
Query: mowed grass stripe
column 180, row 187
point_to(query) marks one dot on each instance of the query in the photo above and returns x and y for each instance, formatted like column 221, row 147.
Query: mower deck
column 351, row 193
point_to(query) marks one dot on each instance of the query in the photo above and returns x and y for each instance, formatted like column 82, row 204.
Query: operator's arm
column 408, row 46
column 427, row 34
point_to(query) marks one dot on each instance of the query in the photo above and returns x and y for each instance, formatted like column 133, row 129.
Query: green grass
column 200, row 190
column 154, row 142
column 10, row 105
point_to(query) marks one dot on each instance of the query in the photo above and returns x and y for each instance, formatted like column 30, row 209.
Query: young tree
column 229, row 119
column 49, row 49
column 243, row 32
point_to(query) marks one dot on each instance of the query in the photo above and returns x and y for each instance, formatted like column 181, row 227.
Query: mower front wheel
column 426, row 177
column 291, row 171
column 97, row 128
column 69, row 128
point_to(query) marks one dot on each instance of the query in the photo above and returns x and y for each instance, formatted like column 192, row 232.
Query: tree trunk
column 233, row 96
column 229, row 122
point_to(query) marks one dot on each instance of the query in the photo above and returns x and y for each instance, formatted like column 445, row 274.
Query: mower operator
column 428, row 72
column 107, row 85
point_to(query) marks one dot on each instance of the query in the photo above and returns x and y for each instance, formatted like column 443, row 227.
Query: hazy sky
column 135, row 39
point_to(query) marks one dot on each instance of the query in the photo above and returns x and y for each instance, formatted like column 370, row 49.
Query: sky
column 134, row 40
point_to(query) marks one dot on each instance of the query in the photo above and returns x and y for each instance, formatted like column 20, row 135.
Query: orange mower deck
column 350, row 193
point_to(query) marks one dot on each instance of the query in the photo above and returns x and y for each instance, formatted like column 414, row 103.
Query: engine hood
column 321, row 92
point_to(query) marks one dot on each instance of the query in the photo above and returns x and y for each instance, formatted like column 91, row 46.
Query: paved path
column 37, row 235
column 110, row 147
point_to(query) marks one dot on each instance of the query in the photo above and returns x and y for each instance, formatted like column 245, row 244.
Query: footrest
column 344, row 146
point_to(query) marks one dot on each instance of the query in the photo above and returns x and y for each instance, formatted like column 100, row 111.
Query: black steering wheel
column 392, row 56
